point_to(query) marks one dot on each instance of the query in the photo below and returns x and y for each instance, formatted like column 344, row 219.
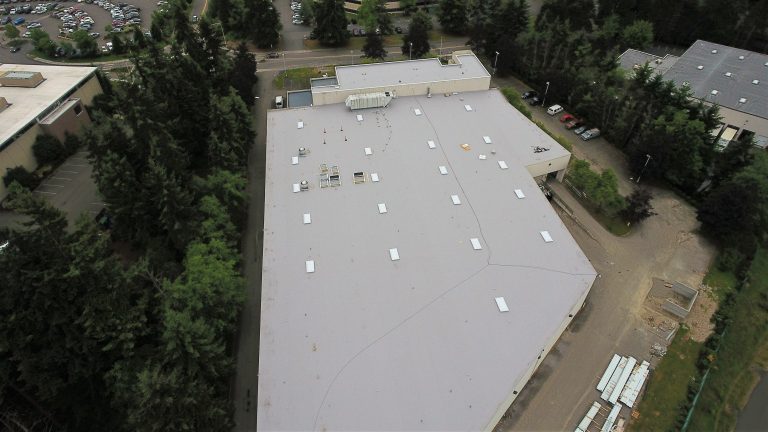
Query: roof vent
column 714, row 51
column 714, row 92
column 741, row 57
column 742, row 100
column 728, row 74
column 21, row 79
column 699, row 67
column 755, row 82
column 304, row 186
column 303, row 151
column 765, row 64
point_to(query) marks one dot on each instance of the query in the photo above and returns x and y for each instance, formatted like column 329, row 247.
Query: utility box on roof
column 368, row 100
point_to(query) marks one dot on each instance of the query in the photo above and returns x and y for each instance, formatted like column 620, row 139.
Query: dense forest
column 131, row 329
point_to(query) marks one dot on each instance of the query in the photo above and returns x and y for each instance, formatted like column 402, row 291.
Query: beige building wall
column 758, row 125
column 19, row 152
column 545, row 167
column 325, row 96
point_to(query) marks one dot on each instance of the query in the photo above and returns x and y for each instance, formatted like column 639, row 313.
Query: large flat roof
column 736, row 90
column 366, row 342
column 632, row 58
column 29, row 103
column 361, row 76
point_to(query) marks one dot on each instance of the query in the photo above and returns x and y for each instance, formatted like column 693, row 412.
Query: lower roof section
column 363, row 338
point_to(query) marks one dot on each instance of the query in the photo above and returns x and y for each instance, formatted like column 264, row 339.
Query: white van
column 554, row 109
column 279, row 102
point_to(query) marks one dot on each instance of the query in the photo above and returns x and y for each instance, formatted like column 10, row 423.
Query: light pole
column 410, row 50
column 647, row 159
column 545, row 95
column 351, row 56
column 284, row 66
column 495, row 61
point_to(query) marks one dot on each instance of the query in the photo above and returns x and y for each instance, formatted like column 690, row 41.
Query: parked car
column 574, row 123
column 566, row 118
column 15, row 49
column 534, row 101
column 554, row 109
column 529, row 94
column 18, row 21
column 580, row 130
column 592, row 133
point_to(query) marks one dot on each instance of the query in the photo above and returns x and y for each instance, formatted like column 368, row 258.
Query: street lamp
column 410, row 50
column 545, row 95
column 647, row 159
column 495, row 62
column 285, row 68
column 351, row 56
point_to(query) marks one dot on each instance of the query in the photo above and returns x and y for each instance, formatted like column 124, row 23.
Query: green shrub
column 516, row 101
column 560, row 140
column 48, row 150
column 22, row 176
column 601, row 189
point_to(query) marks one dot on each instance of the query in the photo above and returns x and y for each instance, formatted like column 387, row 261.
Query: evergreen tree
column 504, row 28
column 416, row 41
column 482, row 14
column 638, row 206
column 408, row 7
column 307, row 11
column 452, row 15
column 639, row 35
column 331, row 22
column 261, row 22
column 374, row 46
column 243, row 76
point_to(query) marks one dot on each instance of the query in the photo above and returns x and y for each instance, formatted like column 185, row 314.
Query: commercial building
column 734, row 79
column 391, row 6
column 414, row 275
column 35, row 100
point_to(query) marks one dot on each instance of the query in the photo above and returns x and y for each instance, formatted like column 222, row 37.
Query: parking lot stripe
column 61, row 178
column 68, row 172
column 69, row 164
column 44, row 192
column 52, row 185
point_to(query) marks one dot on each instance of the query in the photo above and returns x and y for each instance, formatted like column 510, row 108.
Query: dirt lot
column 615, row 317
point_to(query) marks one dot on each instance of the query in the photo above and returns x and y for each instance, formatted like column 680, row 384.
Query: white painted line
column 61, row 178
column 502, row 304
column 51, row 185
column 455, row 199
column 476, row 244
column 68, row 172
column 77, row 165
column 43, row 192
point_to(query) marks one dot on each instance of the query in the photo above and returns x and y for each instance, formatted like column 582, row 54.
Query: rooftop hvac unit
column 369, row 100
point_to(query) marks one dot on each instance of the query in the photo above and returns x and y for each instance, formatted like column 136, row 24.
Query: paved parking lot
column 71, row 189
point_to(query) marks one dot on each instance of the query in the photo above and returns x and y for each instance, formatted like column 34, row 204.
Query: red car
column 573, row 123
column 566, row 117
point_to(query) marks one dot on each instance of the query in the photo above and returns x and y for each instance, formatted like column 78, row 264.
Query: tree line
column 255, row 20
column 132, row 329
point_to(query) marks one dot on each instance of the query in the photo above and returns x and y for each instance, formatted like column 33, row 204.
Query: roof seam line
column 539, row 268
column 387, row 333
column 455, row 177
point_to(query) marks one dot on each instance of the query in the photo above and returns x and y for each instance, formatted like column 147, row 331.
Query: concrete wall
column 19, row 152
column 741, row 120
column 536, row 362
column 68, row 122
column 545, row 167
column 325, row 97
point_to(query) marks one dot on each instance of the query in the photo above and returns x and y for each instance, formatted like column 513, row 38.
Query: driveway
column 71, row 188
column 665, row 246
